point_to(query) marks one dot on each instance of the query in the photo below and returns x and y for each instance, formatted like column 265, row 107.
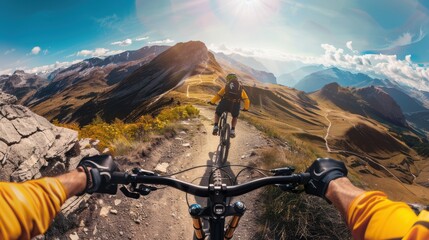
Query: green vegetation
column 120, row 136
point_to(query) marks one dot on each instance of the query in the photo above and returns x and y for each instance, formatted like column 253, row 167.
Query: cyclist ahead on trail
column 230, row 97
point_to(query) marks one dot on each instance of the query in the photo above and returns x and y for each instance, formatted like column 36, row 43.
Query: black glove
column 210, row 102
column 322, row 171
column 98, row 170
column 245, row 110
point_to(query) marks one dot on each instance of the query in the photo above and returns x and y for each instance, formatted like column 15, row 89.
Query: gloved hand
column 245, row 110
column 98, row 170
column 323, row 171
column 210, row 102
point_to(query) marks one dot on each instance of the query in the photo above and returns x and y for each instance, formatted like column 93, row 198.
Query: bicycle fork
column 237, row 210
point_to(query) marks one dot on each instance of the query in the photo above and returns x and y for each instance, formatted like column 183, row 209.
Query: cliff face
column 382, row 105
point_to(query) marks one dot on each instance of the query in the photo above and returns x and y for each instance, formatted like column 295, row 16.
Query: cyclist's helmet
column 231, row 77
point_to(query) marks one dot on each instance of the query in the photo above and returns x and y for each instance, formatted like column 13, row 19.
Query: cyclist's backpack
column 233, row 90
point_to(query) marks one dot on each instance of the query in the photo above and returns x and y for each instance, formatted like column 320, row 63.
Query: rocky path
column 163, row 214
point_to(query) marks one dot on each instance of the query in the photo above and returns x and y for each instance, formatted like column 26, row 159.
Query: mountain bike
column 217, row 209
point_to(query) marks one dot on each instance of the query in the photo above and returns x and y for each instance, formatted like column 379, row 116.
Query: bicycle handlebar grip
column 119, row 178
column 305, row 177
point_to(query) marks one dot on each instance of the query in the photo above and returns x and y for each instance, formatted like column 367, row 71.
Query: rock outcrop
column 31, row 147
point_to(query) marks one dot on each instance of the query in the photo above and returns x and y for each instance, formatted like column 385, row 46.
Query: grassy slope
column 289, row 115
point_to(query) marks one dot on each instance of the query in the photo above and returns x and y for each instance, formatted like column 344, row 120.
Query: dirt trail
column 163, row 214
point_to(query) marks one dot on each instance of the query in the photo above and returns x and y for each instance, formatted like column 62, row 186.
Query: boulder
column 32, row 147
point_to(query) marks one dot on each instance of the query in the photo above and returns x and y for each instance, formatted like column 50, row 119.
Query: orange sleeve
column 245, row 99
column 27, row 209
column 373, row 216
column 218, row 96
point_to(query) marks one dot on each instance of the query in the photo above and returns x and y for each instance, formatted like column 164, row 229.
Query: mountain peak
column 330, row 88
column 383, row 104
column 19, row 72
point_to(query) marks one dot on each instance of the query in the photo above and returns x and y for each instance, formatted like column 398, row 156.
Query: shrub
column 177, row 113
column 120, row 136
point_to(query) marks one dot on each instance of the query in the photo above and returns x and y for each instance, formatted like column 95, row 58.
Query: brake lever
column 284, row 171
column 145, row 189
column 143, row 172
column 290, row 187
column 128, row 193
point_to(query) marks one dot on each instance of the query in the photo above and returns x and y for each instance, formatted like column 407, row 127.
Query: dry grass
column 299, row 216
column 296, row 216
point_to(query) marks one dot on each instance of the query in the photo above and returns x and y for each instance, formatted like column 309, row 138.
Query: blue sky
column 45, row 32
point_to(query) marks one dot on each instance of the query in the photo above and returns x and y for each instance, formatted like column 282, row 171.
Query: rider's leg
column 234, row 122
column 235, row 112
column 216, row 119
column 215, row 127
column 219, row 110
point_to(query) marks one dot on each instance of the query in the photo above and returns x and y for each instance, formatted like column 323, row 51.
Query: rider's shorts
column 226, row 105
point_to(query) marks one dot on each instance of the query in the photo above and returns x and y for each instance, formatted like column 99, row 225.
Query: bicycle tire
column 217, row 173
column 226, row 143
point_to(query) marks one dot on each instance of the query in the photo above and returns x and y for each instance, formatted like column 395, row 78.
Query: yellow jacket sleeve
column 218, row 96
column 27, row 209
column 373, row 216
column 245, row 99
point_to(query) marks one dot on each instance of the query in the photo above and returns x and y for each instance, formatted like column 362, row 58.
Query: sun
column 252, row 10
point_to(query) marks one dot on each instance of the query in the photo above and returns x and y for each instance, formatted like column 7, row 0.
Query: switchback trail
column 366, row 158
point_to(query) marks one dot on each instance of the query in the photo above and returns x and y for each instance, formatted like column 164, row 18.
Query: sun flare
column 253, row 10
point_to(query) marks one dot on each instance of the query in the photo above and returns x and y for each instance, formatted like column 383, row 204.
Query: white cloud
column 404, row 39
column 141, row 38
column 36, row 50
column 7, row 71
column 388, row 66
column 403, row 71
column 9, row 51
column 165, row 41
column 249, row 52
column 98, row 52
column 123, row 43
column 408, row 58
column 51, row 67
column 108, row 21
column 407, row 39
column 40, row 69
column 349, row 46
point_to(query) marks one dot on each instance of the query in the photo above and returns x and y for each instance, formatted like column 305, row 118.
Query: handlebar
column 204, row 191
